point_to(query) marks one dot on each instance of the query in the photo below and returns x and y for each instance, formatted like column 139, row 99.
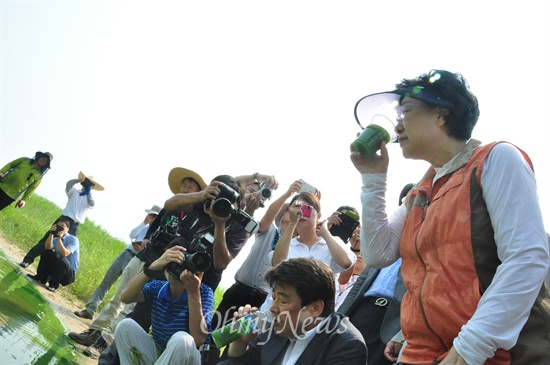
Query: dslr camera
column 197, row 259
column 223, row 206
column 163, row 236
column 57, row 229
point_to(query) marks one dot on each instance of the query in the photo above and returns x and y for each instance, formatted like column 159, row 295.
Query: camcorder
column 350, row 221
column 87, row 183
column 264, row 193
column 197, row 259
column 223, row 206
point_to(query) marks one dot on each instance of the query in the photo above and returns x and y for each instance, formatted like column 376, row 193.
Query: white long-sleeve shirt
column 509, row 190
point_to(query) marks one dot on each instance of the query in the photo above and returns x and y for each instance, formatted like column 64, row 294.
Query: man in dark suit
column 305, row 330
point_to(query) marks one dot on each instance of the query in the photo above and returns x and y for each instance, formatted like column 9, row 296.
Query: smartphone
column 350, row 221
column 305, row 187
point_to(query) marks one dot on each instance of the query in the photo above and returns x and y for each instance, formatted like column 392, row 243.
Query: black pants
column 41, row 245
column 5, row 199
column 54, row 270
column 368, row 319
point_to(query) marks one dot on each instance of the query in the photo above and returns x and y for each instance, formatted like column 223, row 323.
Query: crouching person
column 181, row 314
column 59, row 261
column 305, row 329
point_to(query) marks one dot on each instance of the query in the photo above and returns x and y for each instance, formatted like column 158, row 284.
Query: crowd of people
column 455, row 275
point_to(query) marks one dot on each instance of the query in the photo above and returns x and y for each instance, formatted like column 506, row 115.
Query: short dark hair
column 309, row 198
column 451, row 87
column 312, row 279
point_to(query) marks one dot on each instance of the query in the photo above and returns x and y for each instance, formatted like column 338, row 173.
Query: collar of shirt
column 298, row 345
column 164, row 294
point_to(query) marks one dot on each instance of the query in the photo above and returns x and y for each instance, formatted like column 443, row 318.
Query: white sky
column 126, row 90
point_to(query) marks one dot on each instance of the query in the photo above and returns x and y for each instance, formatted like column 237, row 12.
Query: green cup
column 368, row 142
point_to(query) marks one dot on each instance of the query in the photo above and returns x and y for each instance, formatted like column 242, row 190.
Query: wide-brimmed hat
column 97, row 186
column 154, row 210
column 178, row 174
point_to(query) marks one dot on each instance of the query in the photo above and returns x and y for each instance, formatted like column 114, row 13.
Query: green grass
column 25, row 227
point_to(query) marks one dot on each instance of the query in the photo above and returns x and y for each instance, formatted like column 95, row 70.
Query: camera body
column 163, row 236
column 57, row 229
column 306, row 210
column 264, row 193
column 250, row 224
column 197, row 259
column 223, row 204
column 344, row 230
column 87, row 183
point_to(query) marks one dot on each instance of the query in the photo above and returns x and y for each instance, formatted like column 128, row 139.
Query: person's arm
column 270, row 181
column 65, row 244
column 221, row 256
column 70, row 184
column 342, row 256
column 133, row 293
column 184, row 201
column 510, row 192
column 283, row 246
column 136, row 231
column 275, row 207
column 198, row 328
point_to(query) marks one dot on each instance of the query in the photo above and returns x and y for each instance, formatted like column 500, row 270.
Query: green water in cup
column 370, row 139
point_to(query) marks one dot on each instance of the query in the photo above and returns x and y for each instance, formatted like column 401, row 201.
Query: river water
column 30, row 332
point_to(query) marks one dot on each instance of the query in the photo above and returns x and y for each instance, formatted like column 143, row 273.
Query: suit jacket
column 336, row 342
column 391, row 323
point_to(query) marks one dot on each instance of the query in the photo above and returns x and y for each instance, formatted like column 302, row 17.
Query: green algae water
column 30, row 332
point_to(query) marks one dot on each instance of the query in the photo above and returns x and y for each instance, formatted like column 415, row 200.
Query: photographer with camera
column 79, row 201
column 181, row 313
column 250, row 286
column 59, row 262
column 181, row 181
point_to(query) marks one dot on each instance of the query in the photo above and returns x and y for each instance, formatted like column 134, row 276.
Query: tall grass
column 25, row 227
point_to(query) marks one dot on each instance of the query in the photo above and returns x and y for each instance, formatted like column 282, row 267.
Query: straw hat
column 154, row 210
column 97, row 186
column 178, row 174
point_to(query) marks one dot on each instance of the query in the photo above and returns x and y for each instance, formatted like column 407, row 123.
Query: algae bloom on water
column 30, row 332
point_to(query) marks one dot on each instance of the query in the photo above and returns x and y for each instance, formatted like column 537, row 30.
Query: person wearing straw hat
column 20, row 178
column 181, row 182
column 117, row 267
column 79, row 201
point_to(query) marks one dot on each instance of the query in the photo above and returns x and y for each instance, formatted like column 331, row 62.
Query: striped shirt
column 170, row 316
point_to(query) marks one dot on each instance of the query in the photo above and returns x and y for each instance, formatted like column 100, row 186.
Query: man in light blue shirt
column 59, row 261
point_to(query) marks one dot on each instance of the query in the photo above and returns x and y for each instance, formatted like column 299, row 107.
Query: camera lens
column 222, row 207
column 266, row 193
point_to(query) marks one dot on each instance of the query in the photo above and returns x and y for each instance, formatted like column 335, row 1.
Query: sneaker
column 51, row 288
column 96, row 349
column 83, row 314
column 86, row 338
column 35, row 278
column 24, row 264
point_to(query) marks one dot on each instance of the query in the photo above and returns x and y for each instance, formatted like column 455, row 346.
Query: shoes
column 51, row 288
column 35, row 278
column 24, row 264
column 83, row 314
column 96, row 349
column 86, row 338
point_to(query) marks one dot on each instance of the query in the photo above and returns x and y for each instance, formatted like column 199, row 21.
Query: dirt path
column 60, row 301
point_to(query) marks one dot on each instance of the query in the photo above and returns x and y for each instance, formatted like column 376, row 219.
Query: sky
column 126, row 90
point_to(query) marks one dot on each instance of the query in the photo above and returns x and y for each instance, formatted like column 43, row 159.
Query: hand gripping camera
column 197, row 259
column 223, row 206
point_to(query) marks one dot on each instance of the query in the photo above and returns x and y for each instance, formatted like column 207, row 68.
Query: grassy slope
column 25, row 227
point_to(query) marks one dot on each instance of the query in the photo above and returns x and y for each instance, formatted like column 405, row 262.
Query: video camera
column 223, row 206
column 197, row 259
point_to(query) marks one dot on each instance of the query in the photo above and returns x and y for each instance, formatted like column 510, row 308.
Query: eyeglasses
column 402, row 110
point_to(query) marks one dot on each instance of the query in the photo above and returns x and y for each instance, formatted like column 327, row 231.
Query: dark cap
column 385, row 103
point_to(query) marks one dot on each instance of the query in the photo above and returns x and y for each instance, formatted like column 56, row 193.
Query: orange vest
column 449, row 259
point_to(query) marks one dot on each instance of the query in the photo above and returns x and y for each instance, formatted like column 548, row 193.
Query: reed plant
column 25, row 227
